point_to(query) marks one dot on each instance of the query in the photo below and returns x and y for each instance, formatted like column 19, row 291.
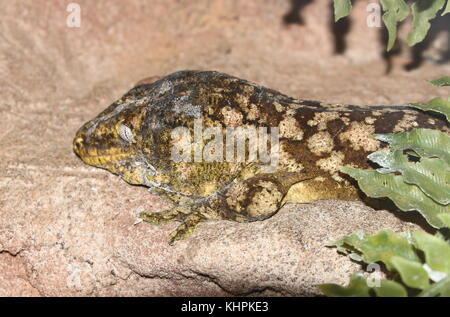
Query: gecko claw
column 189, row 218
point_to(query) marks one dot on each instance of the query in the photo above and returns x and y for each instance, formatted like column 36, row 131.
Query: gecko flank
column 134, row 138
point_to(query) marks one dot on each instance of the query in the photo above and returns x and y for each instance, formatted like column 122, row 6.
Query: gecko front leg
column 254, row 199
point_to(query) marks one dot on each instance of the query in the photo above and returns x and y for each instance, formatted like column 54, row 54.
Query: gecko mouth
column 102, row 160
column 96, row 157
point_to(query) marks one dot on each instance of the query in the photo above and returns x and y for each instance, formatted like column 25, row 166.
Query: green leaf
column 356, row 288
column 412, row 273
column 444, row 81
column 405, row 196
column 441, row 288
column 437, row 105
column 432, row 175
column 390, row 289
column 447, row 8
column 437, row 251
column 342, row 8
column 423, row 11
column 445, row 218
column 425, row 142
column 395, row 11
column 381, row 246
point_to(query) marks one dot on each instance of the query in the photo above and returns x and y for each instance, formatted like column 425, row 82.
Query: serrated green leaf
column 441, row 288
column 346, row 249
column 425, row 142
column 405, row 196
column 443, row 81
column 437, row 105
column 445, row 218
column 435, row 276
column 437, row 251
column 412, row 273
column 359, row 235
column 381, row 246
column 390, row 289
column 356, row 288
column 342, row 8
column 423, row 11
column 431, row 175
column 395, row 11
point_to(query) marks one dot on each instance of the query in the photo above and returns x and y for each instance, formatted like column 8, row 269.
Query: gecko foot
column 163, row 217
column 186, row 228
column 187, row 214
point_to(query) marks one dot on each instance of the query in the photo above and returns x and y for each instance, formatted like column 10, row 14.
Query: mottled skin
column 132, row 138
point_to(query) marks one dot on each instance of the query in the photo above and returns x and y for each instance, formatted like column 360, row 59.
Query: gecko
column 221, row 147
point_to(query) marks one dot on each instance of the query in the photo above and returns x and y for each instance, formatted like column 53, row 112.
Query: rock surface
column 69, row 230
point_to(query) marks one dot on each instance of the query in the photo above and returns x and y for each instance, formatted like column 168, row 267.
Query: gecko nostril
column 77, row 145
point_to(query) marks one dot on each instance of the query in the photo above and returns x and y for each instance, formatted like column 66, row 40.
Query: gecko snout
column 78, row 145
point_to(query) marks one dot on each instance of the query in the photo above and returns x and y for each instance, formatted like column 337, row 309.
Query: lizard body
column 173, row 136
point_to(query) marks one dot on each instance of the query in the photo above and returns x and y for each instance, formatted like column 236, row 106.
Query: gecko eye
column 126, row 134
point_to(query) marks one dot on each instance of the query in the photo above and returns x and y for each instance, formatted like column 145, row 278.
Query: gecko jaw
column 99, row 158
column 102, row 160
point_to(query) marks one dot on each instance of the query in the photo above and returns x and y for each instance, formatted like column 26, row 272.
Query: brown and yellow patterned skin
column 132, row 138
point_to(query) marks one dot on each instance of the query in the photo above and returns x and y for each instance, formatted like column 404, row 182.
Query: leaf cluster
column 395, row 11
column 415, row 175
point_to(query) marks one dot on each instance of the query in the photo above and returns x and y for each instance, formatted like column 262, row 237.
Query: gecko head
column 134, row 138
column 111, row 141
